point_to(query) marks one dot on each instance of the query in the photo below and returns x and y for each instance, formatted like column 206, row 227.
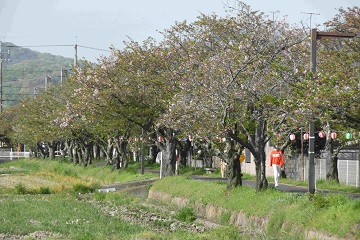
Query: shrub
column 319, row 200
column 186, row 214
column 81, row 188
column 44, row 190
column 20, row 189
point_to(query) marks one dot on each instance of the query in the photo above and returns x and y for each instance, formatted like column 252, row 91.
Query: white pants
column 277, row 172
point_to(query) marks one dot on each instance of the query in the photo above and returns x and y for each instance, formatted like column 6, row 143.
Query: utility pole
column 61, row 75
column 47, row 81
column 1, row 75
column 76, row 57
column 315, row 35
column 311, row 14
column 35, row 92
column 1, row 79
column 142, row 151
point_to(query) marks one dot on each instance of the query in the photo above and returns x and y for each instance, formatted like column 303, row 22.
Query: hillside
column 24, row 69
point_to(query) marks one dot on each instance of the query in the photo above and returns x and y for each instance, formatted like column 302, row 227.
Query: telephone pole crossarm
column 328, row 35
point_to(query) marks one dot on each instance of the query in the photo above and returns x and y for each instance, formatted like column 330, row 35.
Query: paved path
column 250, row 183
column 281, row 187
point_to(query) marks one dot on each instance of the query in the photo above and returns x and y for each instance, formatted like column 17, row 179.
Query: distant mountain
column 24, row 69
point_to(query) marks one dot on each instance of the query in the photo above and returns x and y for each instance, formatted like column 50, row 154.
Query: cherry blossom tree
column 123, row 94
column 235, row 74
column 35, row 124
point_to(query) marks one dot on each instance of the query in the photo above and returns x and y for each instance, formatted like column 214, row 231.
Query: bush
column 81, row 188
column 319, row 200
column 44, row 190
column 186, row 214
column 20, row 189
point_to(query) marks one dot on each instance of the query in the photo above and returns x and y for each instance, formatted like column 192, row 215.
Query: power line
column 99, row 49
column 311, row 14
column 59, row 45
column 33, row 46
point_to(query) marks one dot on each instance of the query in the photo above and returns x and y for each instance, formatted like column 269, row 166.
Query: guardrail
column 14, row 155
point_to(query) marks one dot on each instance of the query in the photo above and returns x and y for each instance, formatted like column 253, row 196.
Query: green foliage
column 288, row 213
column 20, row 189
column 137, row 85
column 44, row 190
column 319, row 200
column 356, row 206
column 99, row 196
column 61, row 214
column 192, row 171
column 65, row 169
column 225, row 217
column 81, row 188
column 228, row 232
column 132, row 169
column 12, row 171
column 185, row 214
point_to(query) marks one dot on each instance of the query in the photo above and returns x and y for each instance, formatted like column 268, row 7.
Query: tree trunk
column 256, row 145
column 333, row 174
column 52, row 147
column 259, row 182
column 69, row 150
column 264, row 182
column 96, row 152
column 233, row 151
column 124, row 155
column 107, row 148
column 331, row 157
column 169, row 158
column 86, row 153
column 167, row 147
column 185, row 152
column 75, row 150
column 41, row 150
column 153, row 151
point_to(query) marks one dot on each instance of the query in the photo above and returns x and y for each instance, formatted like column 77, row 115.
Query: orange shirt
column 276, row 157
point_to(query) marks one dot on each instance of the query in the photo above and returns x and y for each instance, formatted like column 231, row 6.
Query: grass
column 59, row 198
column 60, row 214
column 288, row 214
column 186, row 214
column 61, row 176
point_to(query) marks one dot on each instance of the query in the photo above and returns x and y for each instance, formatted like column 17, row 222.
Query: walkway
column 250, row 183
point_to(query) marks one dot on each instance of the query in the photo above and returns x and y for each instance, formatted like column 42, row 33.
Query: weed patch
column 20, row 189
column 44, row 190
column 81, row 188
column 186, row 214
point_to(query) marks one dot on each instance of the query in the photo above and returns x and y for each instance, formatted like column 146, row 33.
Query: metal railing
column 14, row 155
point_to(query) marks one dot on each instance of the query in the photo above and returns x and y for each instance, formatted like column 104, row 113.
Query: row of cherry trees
column 242, row 77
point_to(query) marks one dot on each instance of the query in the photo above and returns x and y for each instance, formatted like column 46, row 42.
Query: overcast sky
column 96, row 25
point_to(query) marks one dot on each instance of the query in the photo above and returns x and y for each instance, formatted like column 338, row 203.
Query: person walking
column 277, row 162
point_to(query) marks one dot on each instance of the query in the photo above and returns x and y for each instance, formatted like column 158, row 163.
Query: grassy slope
column 64, row 214
column 289, row 214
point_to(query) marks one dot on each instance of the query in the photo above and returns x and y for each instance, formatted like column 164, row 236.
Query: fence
column 348, row 167
column 14, row 155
